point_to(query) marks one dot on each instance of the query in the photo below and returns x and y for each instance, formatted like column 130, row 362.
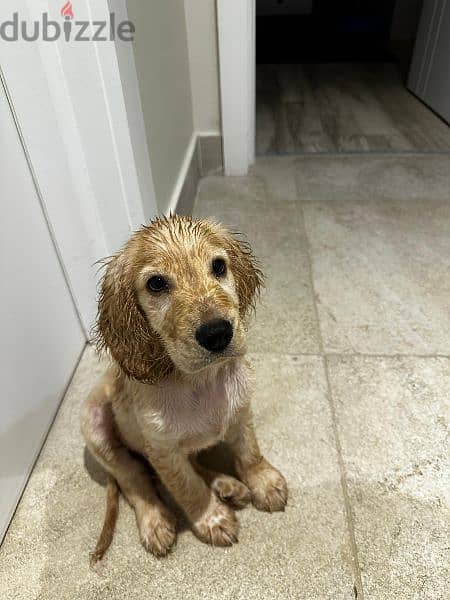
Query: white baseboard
column 195, row 165
column 209, row 133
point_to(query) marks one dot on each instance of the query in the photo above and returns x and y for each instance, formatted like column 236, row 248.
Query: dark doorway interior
column 330, row 77
column 327, row 31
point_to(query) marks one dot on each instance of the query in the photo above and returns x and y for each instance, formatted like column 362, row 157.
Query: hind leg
column 155, row 522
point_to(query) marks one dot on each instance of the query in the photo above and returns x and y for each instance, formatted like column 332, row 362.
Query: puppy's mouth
column 213, row 361
column 213, row 343
column 207, row 359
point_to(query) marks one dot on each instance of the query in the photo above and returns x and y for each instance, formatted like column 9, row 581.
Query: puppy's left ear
column 248, row 276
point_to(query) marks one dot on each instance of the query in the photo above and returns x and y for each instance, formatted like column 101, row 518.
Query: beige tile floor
column 351, row 347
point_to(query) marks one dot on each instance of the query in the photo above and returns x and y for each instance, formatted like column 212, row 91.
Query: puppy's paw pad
column 232, row 491
column 218, row 526
column 157, row 533
column 268, row 488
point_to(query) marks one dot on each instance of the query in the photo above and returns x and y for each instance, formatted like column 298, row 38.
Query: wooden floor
column 341, row 107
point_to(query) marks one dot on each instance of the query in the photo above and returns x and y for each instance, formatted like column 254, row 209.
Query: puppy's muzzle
column 215, row 335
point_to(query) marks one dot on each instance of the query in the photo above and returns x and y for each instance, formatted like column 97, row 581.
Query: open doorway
column 332, row 77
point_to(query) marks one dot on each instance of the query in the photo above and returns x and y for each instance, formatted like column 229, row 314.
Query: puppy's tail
column 109, row 524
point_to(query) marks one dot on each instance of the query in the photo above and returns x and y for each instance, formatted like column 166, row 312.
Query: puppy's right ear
column 123, row 329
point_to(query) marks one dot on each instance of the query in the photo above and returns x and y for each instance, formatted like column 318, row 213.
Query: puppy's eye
column 219, row 267
column 157, row 284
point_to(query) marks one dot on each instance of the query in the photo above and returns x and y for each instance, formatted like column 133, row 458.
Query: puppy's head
column 176, row 296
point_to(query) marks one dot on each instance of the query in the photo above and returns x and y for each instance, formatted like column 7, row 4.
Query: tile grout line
column 344, row 355
column 380, row 355
column 345, row 492
column 358, row 586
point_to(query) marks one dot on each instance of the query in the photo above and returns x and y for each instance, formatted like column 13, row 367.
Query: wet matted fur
column 166, row 395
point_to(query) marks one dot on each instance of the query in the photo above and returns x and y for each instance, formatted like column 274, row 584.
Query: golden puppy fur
column 166, row 396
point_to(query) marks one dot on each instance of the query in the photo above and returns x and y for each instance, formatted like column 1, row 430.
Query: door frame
column 236, row 23
column 83, row 129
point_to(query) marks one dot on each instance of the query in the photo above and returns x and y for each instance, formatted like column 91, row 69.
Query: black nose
column 215, row 335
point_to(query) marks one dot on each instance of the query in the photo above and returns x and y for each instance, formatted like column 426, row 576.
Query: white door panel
column 41, row 336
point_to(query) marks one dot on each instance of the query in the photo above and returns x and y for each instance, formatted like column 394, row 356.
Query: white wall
column 201, row 23
column 162, row 64
column 236, row 32
column 89, row 184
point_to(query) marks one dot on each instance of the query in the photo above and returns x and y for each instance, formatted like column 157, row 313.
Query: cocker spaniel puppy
column 172, row 312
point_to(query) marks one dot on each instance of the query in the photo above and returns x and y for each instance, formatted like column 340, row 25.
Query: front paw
column 217, row 525
column 230, row 490
column 267, row 486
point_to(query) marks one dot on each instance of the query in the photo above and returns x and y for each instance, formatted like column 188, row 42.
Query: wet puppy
column 172, row 313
